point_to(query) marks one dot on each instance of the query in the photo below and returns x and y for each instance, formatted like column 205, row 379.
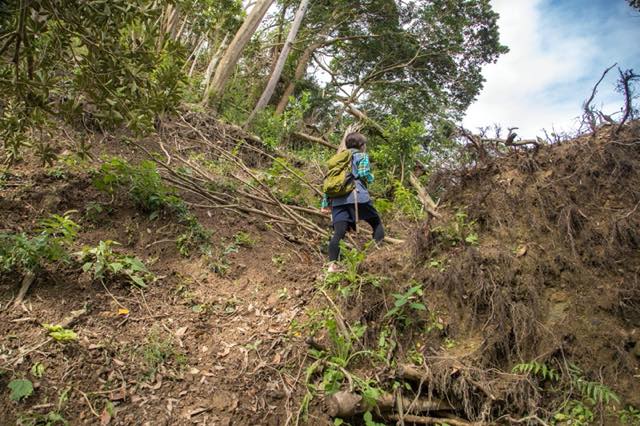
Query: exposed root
column 28, row 279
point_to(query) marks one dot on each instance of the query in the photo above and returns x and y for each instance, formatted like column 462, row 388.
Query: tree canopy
column 109, row 63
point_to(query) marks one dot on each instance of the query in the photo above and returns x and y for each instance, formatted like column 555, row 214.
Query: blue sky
column 558, row 51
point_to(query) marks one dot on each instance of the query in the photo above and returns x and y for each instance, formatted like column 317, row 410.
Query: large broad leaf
column 20, row 388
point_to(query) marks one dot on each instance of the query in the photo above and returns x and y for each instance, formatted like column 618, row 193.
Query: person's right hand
column 325, row 210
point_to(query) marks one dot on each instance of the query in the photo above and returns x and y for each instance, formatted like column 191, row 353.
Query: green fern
column 594, row 391
column 537, row 369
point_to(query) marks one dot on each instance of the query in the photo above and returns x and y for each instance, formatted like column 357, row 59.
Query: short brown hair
column 355, row 140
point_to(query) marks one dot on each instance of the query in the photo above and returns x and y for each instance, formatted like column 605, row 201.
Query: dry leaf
column 522, row 250
column 105, row 418
column 118, row 394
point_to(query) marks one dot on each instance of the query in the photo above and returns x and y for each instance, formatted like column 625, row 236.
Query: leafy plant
column 630, row 415
column 219, row 265
column 449, row 343
column 406, row 202
column 194, row 237
column 143, row 183
column 273, row 128
column 439, row 263
column 52, row 418
column 434, row 322
column 20, row 389
column 574, row 413
column 60, row 334
column 593, row 391
column 107, row 264
column 406, row 304
column 336, row 359
column 158, row 351
column 244, row 239
column 458, row 231
column 415, row 355
column 368, row 420
column 37, row 370
column 386, row 344
column 349, row 279
column 583, row 395
column 20, row 252
column 93, row 210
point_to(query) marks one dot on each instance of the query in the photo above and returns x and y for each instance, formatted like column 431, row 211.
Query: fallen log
column 348, row 404
column 423, row 420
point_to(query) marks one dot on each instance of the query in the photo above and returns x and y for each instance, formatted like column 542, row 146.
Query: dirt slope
column 195, row 347
column 550, row 272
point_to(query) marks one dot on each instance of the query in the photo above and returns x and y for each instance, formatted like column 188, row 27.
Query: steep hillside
column 520, row 303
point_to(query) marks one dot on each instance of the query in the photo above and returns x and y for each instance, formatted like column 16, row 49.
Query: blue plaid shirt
column 362, row 172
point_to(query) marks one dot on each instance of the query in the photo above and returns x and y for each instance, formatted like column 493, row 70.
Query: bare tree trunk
column 213, row 63
column 196, row 55
column 177, row 35
column 300, row 69
column 275, row 75
column 237, row 45
column 275, row 50
column 167, row 24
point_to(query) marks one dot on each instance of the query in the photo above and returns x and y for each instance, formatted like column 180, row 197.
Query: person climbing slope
column 346, row 193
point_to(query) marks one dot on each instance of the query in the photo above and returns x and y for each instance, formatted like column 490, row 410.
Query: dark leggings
column 340, row 230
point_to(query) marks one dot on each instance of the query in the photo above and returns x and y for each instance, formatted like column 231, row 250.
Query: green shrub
column 406, row 202
column 105, row 264
column 406, row 305
column 143, row 184
column 22, row 253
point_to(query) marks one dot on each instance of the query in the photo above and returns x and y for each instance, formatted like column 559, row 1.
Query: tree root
column 28, row 279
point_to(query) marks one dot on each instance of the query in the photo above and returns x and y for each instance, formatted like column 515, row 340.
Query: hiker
column 351, row 202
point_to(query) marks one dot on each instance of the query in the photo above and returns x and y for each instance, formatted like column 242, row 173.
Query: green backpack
column 339, row 179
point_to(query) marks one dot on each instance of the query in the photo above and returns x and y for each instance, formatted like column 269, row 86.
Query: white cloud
column 555, row 59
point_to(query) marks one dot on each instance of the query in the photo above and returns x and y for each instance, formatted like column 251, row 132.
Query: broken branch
column 348, row 404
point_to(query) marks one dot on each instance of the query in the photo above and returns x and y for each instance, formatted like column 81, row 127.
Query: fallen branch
column 393, row 240
column 365, row 118
column 409, row 372
column 315, row 139
column 348, row 404
column 422, row 420
column 429, row 205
